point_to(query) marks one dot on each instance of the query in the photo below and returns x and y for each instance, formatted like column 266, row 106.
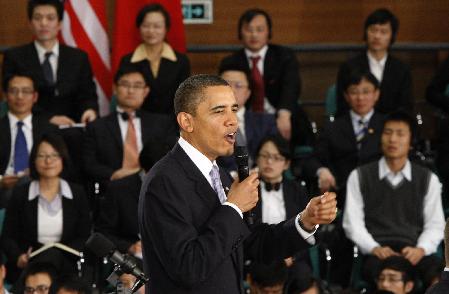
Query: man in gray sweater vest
column 393, row 207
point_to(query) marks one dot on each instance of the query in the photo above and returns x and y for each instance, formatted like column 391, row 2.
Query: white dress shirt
column 53, row 58
column 27, row 129
column 124, row 128
column 354, row 215
column 377, row 67
column 273, row 205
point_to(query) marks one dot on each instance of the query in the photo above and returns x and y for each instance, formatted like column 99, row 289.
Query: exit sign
column 197, row 11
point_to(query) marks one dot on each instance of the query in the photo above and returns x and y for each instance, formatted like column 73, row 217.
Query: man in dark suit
column 18, row 130
column 442, row 287
column 192, row 232
column 63, row 74
column 112, row 143
column 394, row 77
column 274, row 69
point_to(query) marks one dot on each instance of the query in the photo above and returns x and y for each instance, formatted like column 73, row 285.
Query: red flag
column 84, row 26
column 126, row 35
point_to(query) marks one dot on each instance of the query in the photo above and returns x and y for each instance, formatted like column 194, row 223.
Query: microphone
column 103, row 247
column 241, row 158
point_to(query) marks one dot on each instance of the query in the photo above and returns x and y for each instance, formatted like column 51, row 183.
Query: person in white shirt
column 394, row 207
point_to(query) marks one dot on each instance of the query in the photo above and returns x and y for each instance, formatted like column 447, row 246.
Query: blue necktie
column 216, row 183
column 20, row 150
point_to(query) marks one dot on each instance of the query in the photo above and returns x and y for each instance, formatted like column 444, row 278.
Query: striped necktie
column 361, row 133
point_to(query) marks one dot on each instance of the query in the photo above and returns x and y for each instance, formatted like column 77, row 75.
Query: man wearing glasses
column 38, row 278
column 396, row 275
column 18, row 130
column 113, row 143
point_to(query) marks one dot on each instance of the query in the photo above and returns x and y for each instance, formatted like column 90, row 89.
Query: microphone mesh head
column 100, row 245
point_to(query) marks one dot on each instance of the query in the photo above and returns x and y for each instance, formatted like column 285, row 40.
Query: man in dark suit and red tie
column 191, row 214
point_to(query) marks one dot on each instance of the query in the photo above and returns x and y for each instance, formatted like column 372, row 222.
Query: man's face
column 239, row 84
column 362, row 97
column 378, row 36
column 131, row 91
column 45, row 23
column 212, row 128
column 255, row 33
column 391, row 280
column 38, row 283
column 396, row 140
column 20, row 96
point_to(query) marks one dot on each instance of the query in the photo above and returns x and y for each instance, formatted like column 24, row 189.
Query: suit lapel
column 348, row 130
column 114, row 128
column 289, row 199
column 5, row 141
column 33, row 59
column 61, row 64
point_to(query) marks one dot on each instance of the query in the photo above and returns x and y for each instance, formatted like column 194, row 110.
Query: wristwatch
column 301, row 225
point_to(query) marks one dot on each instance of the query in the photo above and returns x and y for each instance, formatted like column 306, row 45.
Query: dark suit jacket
column 442, row 287
column 257, row 127
column 337, row 148
column 163, row 87
column 295, row 199
column 103, row 145
column 436, row 91
column 191, row 243
column 395, row 88
column 74, row 91
column 118, row 212
column 281, row 75
column 20, row 227
column 40, row 127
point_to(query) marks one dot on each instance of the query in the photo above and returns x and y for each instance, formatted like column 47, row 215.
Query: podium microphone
column 241, row 158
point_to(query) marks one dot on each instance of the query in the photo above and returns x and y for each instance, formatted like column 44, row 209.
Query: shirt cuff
column 235, row 207
column 306, row 235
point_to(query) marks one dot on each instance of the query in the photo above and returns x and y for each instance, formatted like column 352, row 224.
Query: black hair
column 267, row 275
column 248, row 16
column 7, row 79
column 236, row 67
column 382, row 16
column 191, row 92
column 356, row 76
column 57, row 142
column 71, row 283
column 155, row 7
column 57, row 4
column 400, row 264
column 154, row 150
column 35, row 268
column 402, row 116
column 130, row 69
column 280, row 143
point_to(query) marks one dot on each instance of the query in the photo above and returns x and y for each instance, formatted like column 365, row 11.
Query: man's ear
column 409, row 286
column 185, row 121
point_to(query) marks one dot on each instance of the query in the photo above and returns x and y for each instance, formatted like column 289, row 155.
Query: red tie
column 130, row 149
column 258, row 86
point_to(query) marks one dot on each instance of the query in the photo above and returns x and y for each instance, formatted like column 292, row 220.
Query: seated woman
column 164, row 67
column 47, row 210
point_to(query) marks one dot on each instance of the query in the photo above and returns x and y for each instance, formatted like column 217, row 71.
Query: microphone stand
column 114, row 280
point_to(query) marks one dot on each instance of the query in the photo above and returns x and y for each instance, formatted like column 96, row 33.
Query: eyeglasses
column 52, row 156
column 274, row 157
column 363, row 92
column 40, row 289
column 135, row 87
column 17, row 91
column 390, row 279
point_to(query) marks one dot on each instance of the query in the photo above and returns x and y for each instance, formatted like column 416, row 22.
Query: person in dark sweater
column 393, row 206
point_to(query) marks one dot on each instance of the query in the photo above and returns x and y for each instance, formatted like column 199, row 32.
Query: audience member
column 395, row 80
column 37, row 278
column 397, row 275
column 267, row 279
column 253, row 126
column 69, row 284
column 164, row 67
column 112, row 143
column 352, row 139
column 62, row 74
column 393, row 206
column 47, row 210
column 442, row 286
column 18, row 130
column 274, row 69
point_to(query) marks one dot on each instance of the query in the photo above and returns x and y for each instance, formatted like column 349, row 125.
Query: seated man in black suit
column 395, row 79
column 63, row 74
column 191, row 217
column 274, row 69
column 393, row 206
column 352, row 139
column 397, row 275
column 18, row 130
column 113, row 143
column 253, row 126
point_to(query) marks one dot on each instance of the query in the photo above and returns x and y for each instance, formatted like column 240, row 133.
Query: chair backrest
column 3, row 108
column 331, row 100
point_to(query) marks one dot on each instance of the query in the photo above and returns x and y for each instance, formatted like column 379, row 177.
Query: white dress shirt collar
column 385, row 171
column 356, row 117
column 377, row 66
column 64, row 190
column 41, row 51
column 27, row 121
column 262, row 52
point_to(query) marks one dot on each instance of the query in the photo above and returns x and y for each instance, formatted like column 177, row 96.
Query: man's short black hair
column 248, row 16
column 236, row 67
column 268, row 275
column 130, row 69
column 356, row 76
column 70, row 283
column 57, row 4
column 7, row 79
column 382, row 16
column 34, row 268
column 280, row 143
column 400, row 264
column 402, row 116
column 191, row 92
column 155, row 7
